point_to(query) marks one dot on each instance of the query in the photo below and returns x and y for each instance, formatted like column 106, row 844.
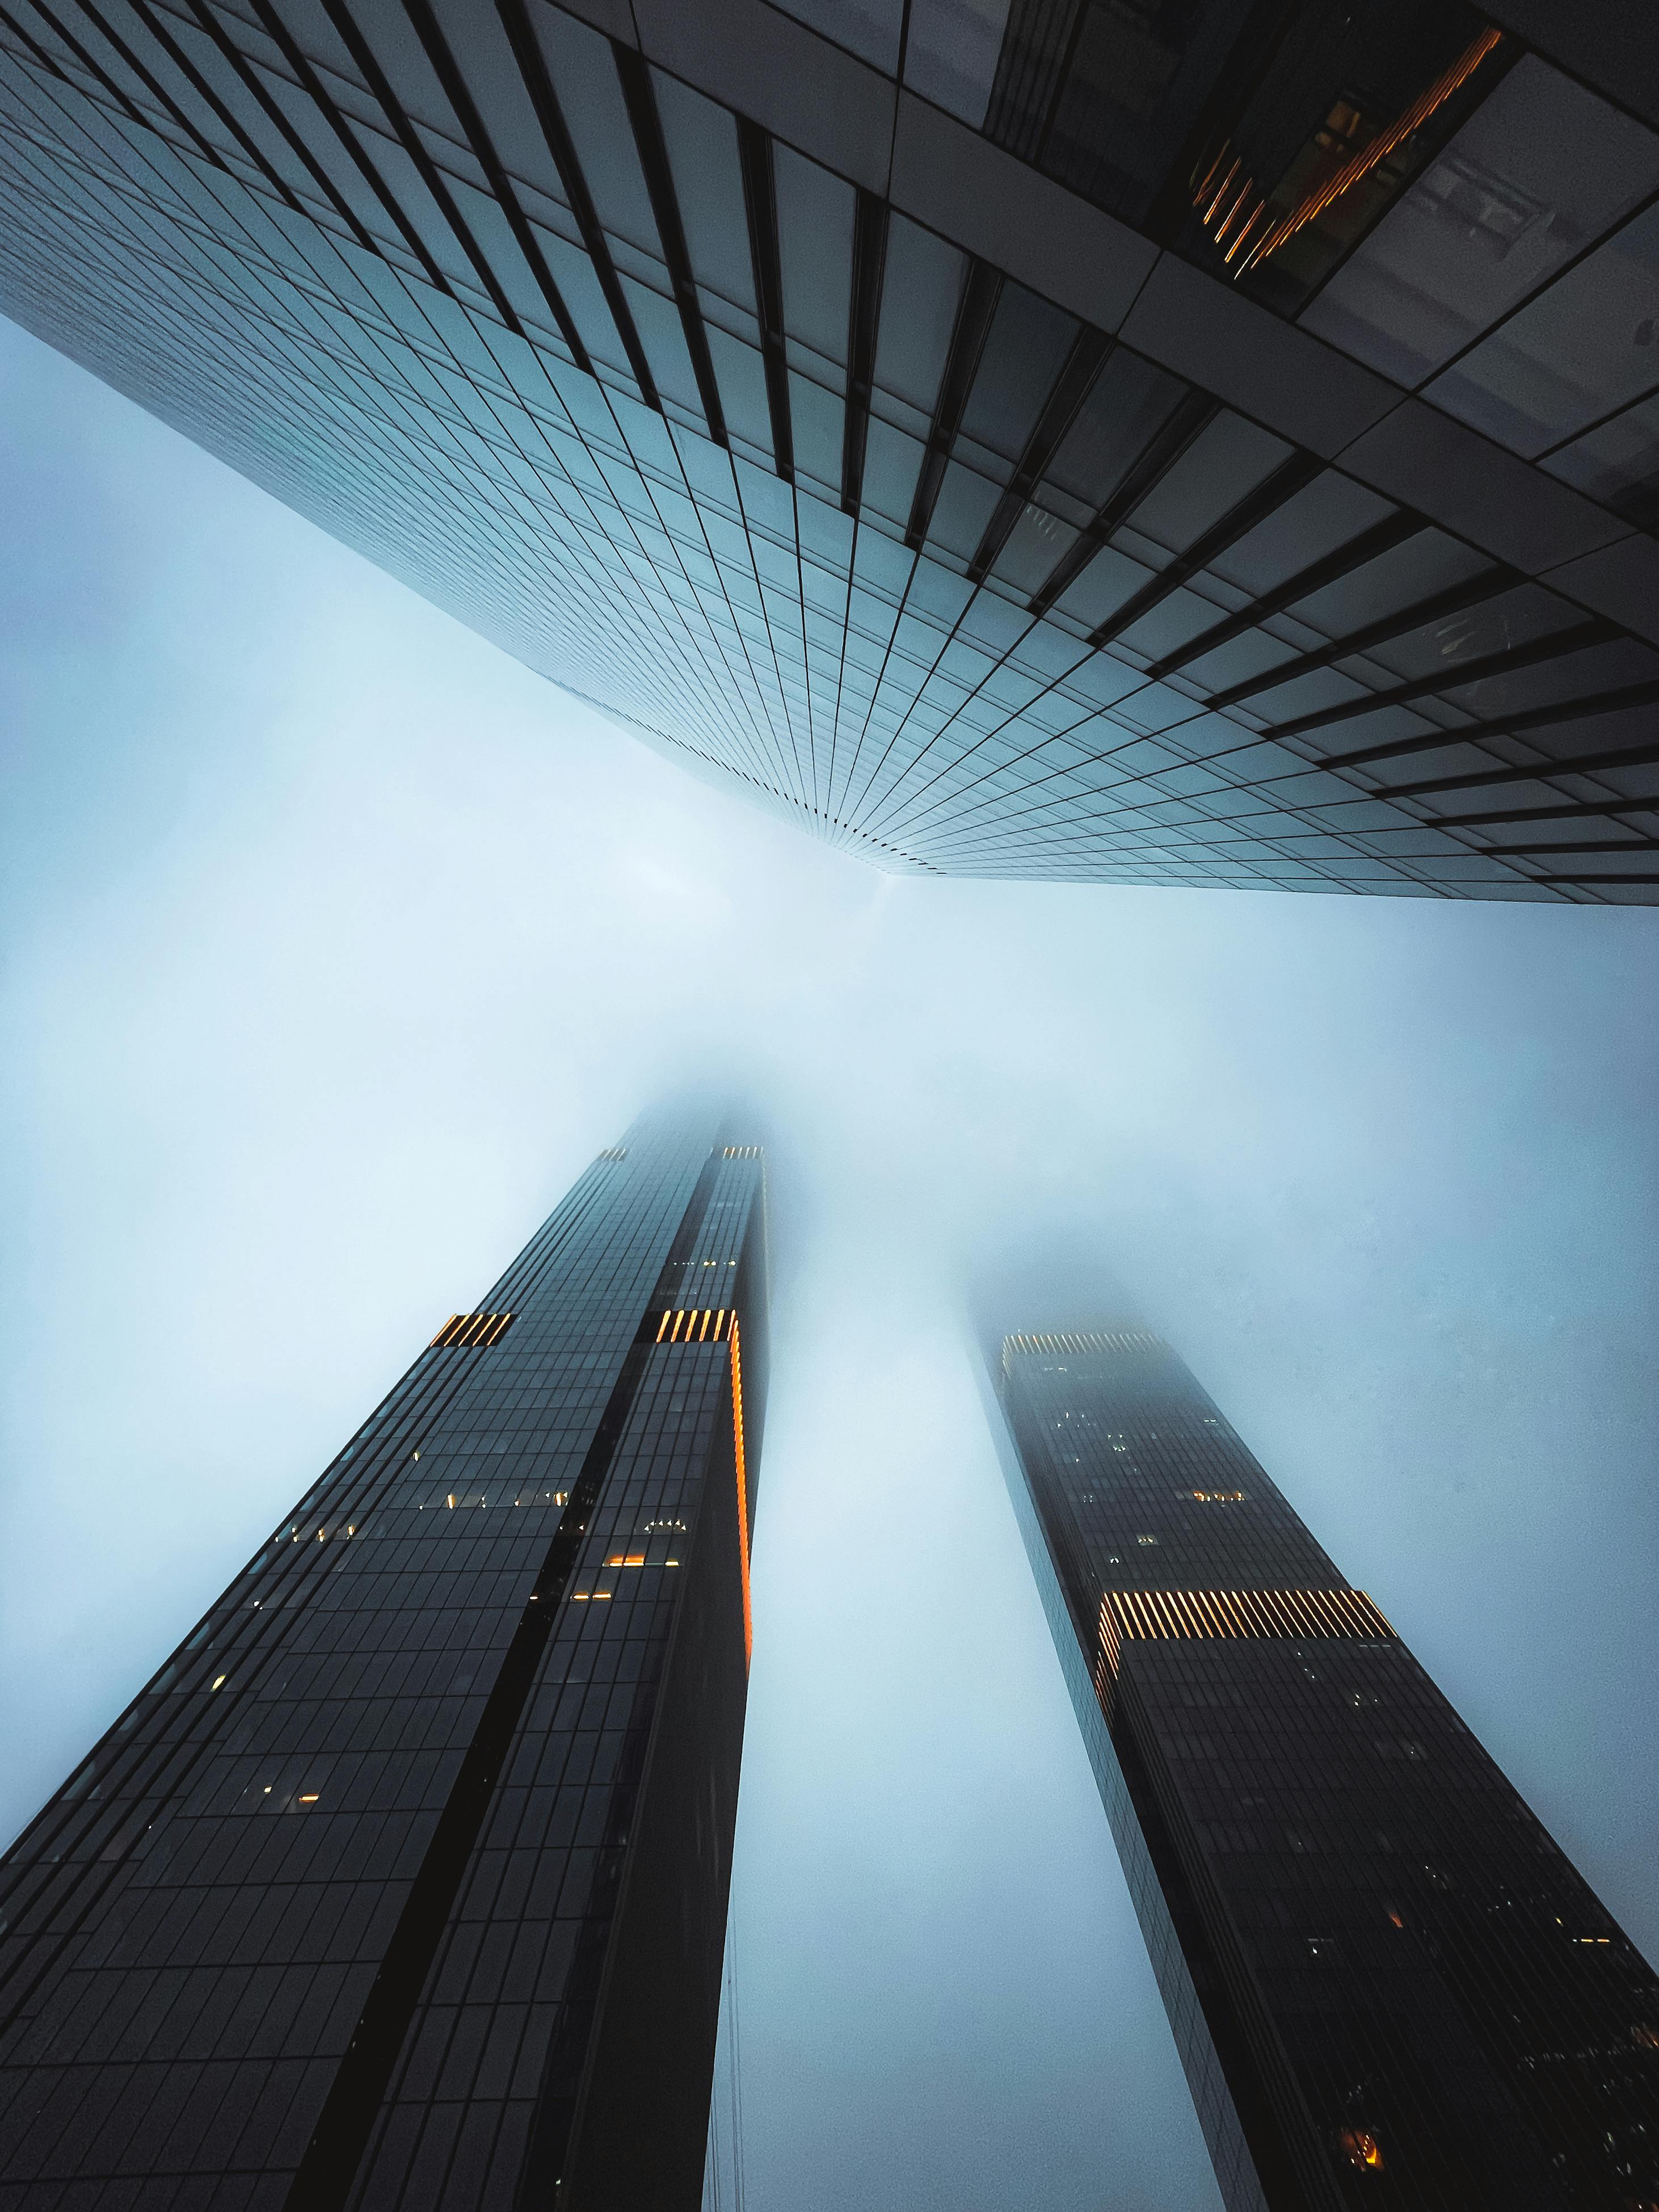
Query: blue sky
column 336, row 944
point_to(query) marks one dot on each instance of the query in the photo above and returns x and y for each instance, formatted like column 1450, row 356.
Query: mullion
column 538, row 83
column 410, row 139
column 234, row 58
column 1486, row 584
column 472, row 123
column 311, row 84
column 1292, row 475
column 1558, row 645
column 1538, row 771
column 760, row 204
column 641, row 100
column 972, row 327
column 1382, row 537
column 1632, row 844
column 864, row 311
column 210, row 99
column 1500, row 726
column 1090, row 351
column 1192, row 414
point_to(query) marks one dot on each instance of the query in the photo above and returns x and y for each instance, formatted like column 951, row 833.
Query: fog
column 337, row 944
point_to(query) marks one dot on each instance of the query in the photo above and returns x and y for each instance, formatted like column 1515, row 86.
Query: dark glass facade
column 1208, row 443
column 405, row 1882
column 1388, row 1985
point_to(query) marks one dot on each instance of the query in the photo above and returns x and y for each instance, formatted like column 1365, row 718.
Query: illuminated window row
column 696, row 1325
column 473, row 1332
column 1087, row 1340
column 1154, row 1616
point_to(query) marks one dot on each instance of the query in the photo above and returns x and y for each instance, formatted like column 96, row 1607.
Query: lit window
column 1146, row 1540
column 1361, row 2148
column 472, row 1332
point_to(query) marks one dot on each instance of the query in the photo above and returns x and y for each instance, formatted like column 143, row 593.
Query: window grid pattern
column 213, row 1910
column 1413, row 1998
column 800, row 490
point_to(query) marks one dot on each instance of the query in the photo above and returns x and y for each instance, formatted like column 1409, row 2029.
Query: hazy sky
column 337, row 944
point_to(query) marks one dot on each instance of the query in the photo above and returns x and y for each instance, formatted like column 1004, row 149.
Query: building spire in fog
column 1388, row 1985
column 405, row 1880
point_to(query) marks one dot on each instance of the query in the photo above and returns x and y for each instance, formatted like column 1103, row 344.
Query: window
column 473, row 1332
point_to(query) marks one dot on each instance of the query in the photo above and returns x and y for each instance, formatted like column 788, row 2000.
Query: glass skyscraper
column 1213, row 443
column 1388, row 1985
column 405, row 1881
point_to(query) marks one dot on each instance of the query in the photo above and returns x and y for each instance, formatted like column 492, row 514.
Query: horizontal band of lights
column 472, row 1332
column 1168, row 1615
column 696, row 1325
column 741, row 1152
column 1116, row 1339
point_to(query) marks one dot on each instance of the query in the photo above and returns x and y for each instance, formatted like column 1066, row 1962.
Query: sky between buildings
column 337, row 944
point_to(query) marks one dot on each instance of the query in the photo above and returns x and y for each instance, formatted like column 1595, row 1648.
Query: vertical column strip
column 409, row 138
column 760, row 200
column 460, row 98
column 980, row 295
column 863, row 318
column 743, row 1492
column 639, row 96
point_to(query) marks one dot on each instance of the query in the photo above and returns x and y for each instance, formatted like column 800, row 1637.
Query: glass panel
column 951, row 55
column 1329, row 513
column 963, row 509
column 870, row 28
column 815, row 237
column 1581, row 350
column 1619, row 464
column 1494, row 625
column 1542, row 168
column 1424, row 565
column 1129, row 404
column 1102, row 94
column 1037, row 541
column 920, row 288
column 1029, row 340
column 701, row 139
column 1222, row 464
column 584, row 76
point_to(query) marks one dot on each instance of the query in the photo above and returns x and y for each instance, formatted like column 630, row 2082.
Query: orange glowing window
column 626, row 1559
column 743, row 1492
column 474, row 1332
column 1360, row 2148
column 310, row 1799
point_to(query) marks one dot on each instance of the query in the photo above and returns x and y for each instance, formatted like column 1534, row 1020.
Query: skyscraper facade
column 1388, row 1985
column 1210, row 444
column 403, row 1883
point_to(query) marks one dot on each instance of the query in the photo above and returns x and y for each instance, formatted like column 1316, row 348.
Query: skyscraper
column 403, row 1883
column 1213, row 443
column 1388, row 1985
